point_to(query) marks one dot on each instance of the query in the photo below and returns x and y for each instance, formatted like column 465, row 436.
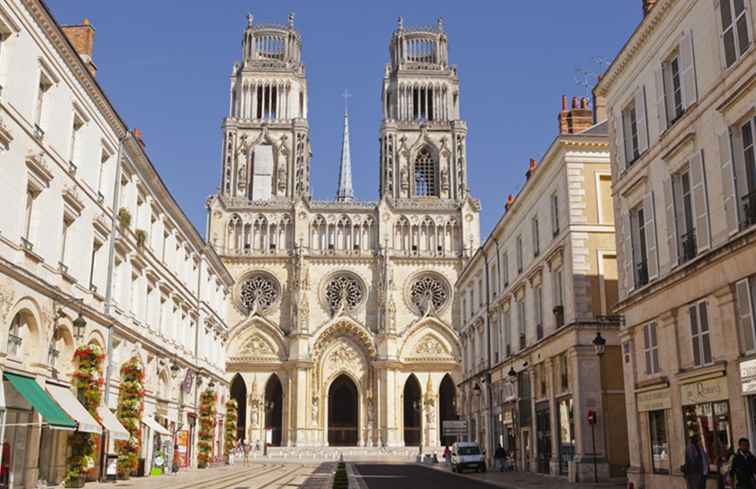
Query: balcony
column 688, row 246
column 749, row 209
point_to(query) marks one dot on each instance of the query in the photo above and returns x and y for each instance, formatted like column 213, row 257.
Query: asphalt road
column 409, row 476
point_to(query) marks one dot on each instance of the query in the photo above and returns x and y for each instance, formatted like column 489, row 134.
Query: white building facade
column 75, row 245
column 343, row 319
column 682, row 109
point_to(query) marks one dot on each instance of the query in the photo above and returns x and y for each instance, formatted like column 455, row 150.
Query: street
column 410, row 476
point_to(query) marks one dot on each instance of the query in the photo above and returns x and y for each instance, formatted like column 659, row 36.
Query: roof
column 600, row 129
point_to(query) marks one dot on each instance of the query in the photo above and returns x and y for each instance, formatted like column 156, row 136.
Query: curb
column 465, row 476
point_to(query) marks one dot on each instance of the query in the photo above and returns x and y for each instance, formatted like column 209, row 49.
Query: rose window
column 259, row 293
column 343, row 292
column 428, row 294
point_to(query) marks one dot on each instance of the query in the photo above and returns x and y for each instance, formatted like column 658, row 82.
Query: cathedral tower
column 266, row 151
column 422, row 136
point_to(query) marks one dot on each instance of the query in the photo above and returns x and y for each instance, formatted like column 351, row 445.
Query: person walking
column 500, row 455
column 743, row 466
column 447, row 454
column 245, row 452
column 696, row 464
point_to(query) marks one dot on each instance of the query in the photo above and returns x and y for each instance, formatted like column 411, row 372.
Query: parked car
column 467, row 455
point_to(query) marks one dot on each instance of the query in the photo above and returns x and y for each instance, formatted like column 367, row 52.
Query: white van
column 467, row 455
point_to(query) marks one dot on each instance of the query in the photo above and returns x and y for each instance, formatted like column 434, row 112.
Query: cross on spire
column 346, row 96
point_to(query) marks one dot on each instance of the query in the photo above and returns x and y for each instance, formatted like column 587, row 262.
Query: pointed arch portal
column 239, row 394
column 274, row 409
column 447, row 394
column 343, row 412
column 413, row 409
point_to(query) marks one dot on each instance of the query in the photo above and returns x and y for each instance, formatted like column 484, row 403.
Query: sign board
column 269, row 435
column 654, row 400
column 454, row 428
column 704, row 391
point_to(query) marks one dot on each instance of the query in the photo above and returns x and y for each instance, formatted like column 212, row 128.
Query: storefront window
column 566, row 434
column 711, row 421
column 659, row 442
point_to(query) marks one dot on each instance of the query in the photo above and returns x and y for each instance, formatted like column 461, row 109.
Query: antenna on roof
column 587, row 78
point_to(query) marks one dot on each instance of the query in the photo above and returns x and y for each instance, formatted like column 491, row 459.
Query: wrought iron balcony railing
column 688, row 245
column 749, row 209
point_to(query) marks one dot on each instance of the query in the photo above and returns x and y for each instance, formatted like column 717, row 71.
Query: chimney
column 647, row 6
column 137, row 133
column 577, row 118
column 82, row 39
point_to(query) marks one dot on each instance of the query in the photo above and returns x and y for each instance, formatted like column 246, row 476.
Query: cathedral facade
column 344, row 324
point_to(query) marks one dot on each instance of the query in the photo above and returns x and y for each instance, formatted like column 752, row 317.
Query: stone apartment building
column 533, row 300
column 93, row 250
column 681, row 99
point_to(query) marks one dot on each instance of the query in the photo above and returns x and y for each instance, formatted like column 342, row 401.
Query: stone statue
column 314, row 410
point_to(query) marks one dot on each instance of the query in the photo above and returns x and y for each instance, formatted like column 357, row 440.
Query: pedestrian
column 499, row 456
column 743, row 466
column 245, row 452
column 696, row 464
column 447, row 454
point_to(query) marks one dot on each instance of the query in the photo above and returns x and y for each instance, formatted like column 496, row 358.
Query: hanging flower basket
column 88, row 381
column 206, row 427
column 129, row 413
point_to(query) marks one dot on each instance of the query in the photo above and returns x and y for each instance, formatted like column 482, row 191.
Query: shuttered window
column 744, row 296
column 699, row 333
column 651, row 349
column 735, row 35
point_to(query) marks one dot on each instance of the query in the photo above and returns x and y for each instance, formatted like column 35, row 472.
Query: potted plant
column 141, row 237
column 129, row 413
column 124, row 217
column 207, row 426
column 229, row 429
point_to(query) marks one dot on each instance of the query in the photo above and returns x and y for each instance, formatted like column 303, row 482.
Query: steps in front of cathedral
column 350, row 454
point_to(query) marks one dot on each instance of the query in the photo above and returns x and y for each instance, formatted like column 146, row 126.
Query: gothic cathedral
column 344, row 325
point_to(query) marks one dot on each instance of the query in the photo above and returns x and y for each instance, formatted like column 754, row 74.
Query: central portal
column 342, row 413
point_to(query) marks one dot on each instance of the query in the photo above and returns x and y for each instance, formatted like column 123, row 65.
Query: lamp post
column 599, row 346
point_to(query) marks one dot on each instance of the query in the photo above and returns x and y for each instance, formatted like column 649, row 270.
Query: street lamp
column 79, row 326
column 599, row 344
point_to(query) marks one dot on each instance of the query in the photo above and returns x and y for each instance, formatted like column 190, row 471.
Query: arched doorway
column 343, row 413
column 413, row 411
column 239, row 394
column 274, row 409
column 447, row 410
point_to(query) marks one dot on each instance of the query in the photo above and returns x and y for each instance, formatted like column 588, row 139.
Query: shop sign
column 705, row 391
column 748, row 376
column 654, row 400
column 506, row 417
column 454, row 427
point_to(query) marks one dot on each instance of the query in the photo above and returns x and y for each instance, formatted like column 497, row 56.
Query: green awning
column 40, row 401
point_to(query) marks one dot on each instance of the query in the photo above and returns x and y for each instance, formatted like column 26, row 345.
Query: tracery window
column 427, row 293
column 425, row 174
column 259, row 292
column 343, row 291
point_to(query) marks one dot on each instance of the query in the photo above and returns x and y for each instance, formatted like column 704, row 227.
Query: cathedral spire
column 345, row 193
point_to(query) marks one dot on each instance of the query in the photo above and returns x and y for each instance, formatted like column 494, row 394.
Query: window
column 93, row 264
column 538, row 311
column 78, row 123
column 659, row 443
column 748, row 172
column 29, row 217
column 104, row 158
column 634, row 127
column 745, row 293
column 481, row 292
column 699, row 333
column 495, row 340
column 426, row 184
column 687, row 212
column 465, row 314
column 505, row 270
column 14, row 336
column 630, row 128
column 117, row 280
column 711, row 422
column 651, row 349
column 639, row 250
column 45, row 83
column 494, row 281
column 735, row 36
column 521, row 322
column 673, row 99
column 554, row 214
column 519, row 254
column 508, row 332
column 564, row 378
column 65, row 235
column 536, row 236
column 558, row 299
column 684, row 215
column 604, row 198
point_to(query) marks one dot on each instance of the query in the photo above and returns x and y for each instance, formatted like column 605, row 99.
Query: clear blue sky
column 165, row 65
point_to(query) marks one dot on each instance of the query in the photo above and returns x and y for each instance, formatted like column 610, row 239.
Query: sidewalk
column 526, row 480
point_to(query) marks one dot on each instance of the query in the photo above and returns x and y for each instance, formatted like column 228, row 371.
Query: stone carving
column 256, row 346
column 314, row 410
column 430, row 346
column 6, row 302
column 343, row 355
column 258, row 293
column 391, row 316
